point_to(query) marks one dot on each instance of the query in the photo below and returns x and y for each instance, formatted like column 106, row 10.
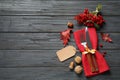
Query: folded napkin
column 101, row 62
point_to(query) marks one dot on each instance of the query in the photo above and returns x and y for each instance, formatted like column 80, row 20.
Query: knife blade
column 88, row 38
column 94, row 63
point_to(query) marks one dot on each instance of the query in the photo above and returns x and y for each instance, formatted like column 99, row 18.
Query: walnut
column 71, row 65
column 70, row 25
column 78, row 69
column 78, row 59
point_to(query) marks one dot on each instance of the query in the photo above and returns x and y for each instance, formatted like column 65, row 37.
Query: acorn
column 78, row 59
column 71, row 65
column 78, row 69
column 70, row 25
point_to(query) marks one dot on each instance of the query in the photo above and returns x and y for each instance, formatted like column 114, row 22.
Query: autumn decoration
column 91, row 19
column 106, row 37
column 65, row 35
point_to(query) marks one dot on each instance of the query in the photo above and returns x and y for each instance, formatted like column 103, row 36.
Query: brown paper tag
column 66, row 53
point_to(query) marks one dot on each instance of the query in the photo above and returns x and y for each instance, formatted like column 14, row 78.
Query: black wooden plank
column 52, row 73
column 29, row 41
column 45, row 58
column 49, row 23
column 36, row 41
column 55, row 7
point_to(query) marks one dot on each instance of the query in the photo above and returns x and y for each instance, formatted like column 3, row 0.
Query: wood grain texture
column 49, row 23
column 55, row 7
column 29, row 38
column 51, row 41
column 51, row 73
column 45, row 58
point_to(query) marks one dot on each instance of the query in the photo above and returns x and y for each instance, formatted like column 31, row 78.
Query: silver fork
column 89, row 57
column 82, row 39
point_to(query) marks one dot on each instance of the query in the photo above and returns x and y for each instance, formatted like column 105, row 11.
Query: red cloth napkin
column 102, row 65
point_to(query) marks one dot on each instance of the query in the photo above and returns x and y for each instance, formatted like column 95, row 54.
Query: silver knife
column 88, row 38
column 94, row 63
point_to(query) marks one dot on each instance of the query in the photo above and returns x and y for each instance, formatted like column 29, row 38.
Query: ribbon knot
column 92, row 51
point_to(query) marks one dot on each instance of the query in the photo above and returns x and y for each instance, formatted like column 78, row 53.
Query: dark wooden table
column 29, row 38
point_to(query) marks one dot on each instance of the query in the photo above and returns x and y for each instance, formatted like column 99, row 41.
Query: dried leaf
column 105, row 37
column 65, row 36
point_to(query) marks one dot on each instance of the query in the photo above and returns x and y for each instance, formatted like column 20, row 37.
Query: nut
column 78, row 59
column 71, row 65
column 70, row 25
column 78, row 69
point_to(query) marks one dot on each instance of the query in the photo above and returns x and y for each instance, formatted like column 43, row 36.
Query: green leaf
column 94, row 12
column 97, row 26
column 99, row 7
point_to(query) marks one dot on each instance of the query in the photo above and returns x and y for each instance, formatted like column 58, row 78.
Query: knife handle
column 90, row 61
column 89, row 57
column 95, row 63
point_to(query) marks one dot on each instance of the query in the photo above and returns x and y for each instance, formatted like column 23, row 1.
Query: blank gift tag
column 66, row 53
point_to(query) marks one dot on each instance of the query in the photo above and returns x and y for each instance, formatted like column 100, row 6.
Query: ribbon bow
column 92, row 51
